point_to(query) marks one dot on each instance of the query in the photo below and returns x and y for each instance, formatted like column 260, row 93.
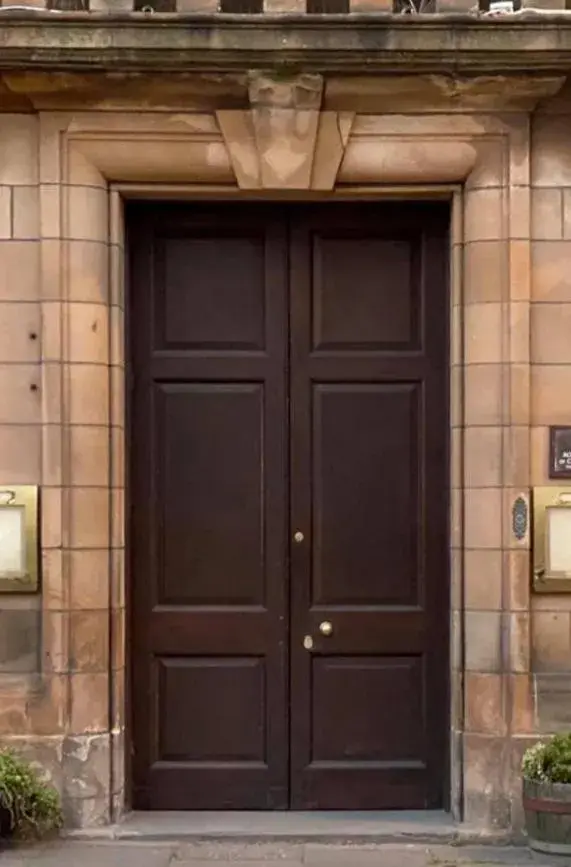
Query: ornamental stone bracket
column 284, row 140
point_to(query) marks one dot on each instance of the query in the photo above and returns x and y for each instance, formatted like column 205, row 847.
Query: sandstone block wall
column 57, row 646
column 20, row 356
column 551, row 386
column 62, row 653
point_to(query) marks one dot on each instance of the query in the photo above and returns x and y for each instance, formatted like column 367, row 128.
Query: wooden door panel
column 354, row 305
column 368, row 297
column 209, row 481
column 366, row 510
column 226, row 310
column 364, row 730
column 222, row 718
column 208, row 509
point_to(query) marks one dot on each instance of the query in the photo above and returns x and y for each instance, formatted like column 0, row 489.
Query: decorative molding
column 332, row 139
column 444, row 94
column 184, row 92
column 407, row 161
column 284, row 141
column 346, row 45
column 285, row 149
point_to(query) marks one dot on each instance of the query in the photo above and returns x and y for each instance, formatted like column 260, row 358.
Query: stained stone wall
column 63, row 177
column 551, row 386
column 56, row 430
column 20, row 407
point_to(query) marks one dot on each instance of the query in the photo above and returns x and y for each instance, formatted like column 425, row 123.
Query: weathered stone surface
column 86, row 812
column 232, row 91
column 113, row 854
column 45, row 754
column 19, row 640
column 71, row 854
column 275, row 852
column 553, row 701
column 284, row 140
column 285, row 115
column 318, row 43
column 442, row 92
column 87, row 767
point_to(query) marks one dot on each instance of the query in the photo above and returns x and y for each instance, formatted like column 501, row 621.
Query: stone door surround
column 299, row 137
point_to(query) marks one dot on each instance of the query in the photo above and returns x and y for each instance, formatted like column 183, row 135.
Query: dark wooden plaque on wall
column 560, row 452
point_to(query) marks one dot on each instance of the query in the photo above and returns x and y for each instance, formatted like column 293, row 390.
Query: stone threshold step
column 299, row 827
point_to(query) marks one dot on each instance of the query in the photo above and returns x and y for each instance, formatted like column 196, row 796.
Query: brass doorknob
column 298, row 537
column 326, row 628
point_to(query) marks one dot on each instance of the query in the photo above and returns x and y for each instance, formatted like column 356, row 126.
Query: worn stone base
column 183, row 854
column 80, row 768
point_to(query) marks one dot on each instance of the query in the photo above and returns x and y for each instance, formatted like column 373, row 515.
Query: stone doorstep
column 232, row 828
column 140, row 854
column 198, row 839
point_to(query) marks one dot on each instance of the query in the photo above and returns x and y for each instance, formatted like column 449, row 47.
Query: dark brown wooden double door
column 288, row 498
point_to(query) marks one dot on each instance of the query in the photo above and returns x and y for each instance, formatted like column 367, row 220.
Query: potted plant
column 546, row 770
column 29, row 807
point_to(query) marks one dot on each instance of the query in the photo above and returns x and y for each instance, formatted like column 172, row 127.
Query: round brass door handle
column 326, row 628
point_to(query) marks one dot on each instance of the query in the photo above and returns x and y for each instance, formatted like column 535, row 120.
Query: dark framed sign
column 560, row 452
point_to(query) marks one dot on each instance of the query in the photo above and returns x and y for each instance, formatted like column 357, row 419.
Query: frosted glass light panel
column 558, row 538
column 12, row 541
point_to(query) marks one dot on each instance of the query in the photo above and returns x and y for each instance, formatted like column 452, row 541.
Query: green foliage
column 549, row 762
column 33, row 805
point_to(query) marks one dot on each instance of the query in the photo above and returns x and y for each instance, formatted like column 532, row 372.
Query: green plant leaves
column 33, row 805
column 549, row 762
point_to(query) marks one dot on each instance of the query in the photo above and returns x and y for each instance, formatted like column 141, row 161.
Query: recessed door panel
column 209, row 438
column 223, row 717
column 366, row 500
column 381, row 720
column 354, row 303
column 218, row 302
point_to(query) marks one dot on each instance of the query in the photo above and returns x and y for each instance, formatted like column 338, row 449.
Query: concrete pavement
column 113, row 853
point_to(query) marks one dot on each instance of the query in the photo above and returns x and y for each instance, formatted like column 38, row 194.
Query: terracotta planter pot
column 548, row 816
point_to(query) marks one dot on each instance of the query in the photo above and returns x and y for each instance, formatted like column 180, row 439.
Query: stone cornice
column 231, row 93
column 330, row 44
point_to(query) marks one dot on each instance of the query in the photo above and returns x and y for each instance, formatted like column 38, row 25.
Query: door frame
column 452, row 194
column 476, row 152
